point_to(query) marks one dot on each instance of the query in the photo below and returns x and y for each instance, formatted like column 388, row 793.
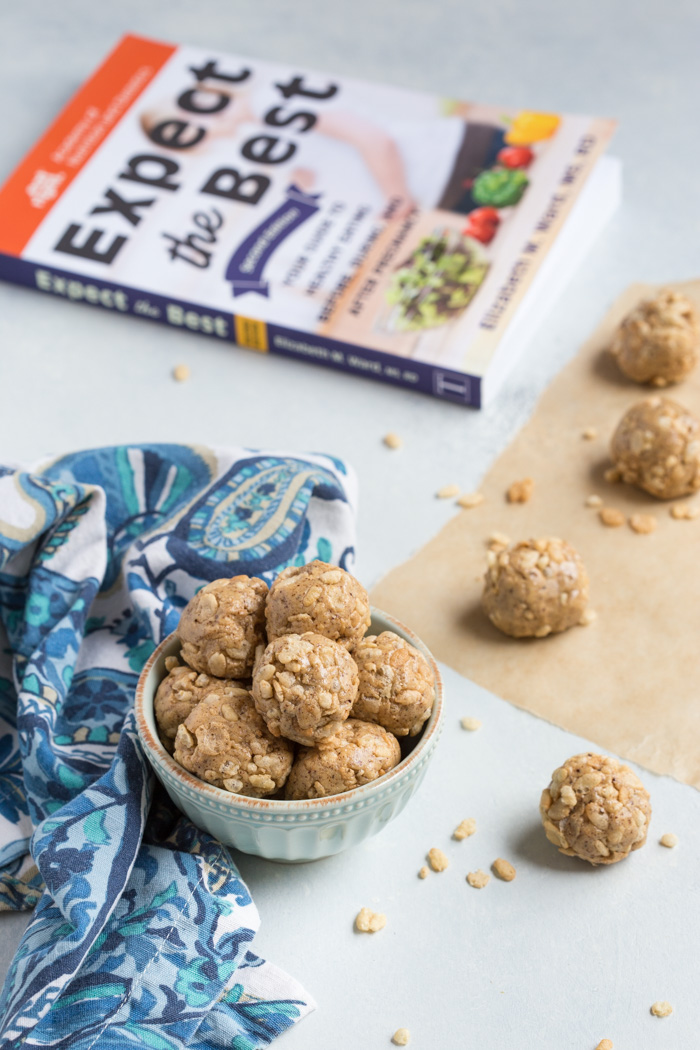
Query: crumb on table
column 423, row 873
column 594, row 501
column 669, row 840
column 503, row 869
column 611, row 517
column 643, row 523
column 589, row 434
column 447, row 492
column 605, row 1044
column 367, row 921
column 463, row 830
column 401, row 1037
column 470, row 499
column 662, row 1008
column 437, row 859
column 478, row 879
column 472, row 724
column 181, row 373
column 392, row 440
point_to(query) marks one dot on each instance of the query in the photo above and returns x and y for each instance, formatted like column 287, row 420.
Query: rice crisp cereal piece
column 643, row 523
column 611, row 517
column 595, row 808
column 367, row 921
column 401, row 1037
column 181, row 373
column 605, row 1044
column 521, row 491
column 662, row 1008
column 423, row 873
column 447, row 491
column 464, row 829
column 392, row 440
column 321, row 598
column 669, row 840
column 304, row 686
column 437, row 859
column 503, row 869
column 478, row 879
column 470, row 499
column 221, row 627
column 684, row 512
column 471, row 724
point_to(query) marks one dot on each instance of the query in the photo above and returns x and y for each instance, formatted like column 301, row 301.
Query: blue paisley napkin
column 142, row 927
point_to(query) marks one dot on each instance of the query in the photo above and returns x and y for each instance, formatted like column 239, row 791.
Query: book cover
column 377, row 230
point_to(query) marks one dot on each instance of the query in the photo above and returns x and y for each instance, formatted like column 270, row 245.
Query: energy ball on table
column 222, row 626
column 659, row 341
column 357, row 753
column 321, row 598
column 595, row 808
column 178, row 694
column 304, row 686
column 657, row 447
column 225, row 742
column 535, row 588
column 396, row 684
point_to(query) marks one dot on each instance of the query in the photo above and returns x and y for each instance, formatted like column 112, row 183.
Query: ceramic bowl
column 277, row 829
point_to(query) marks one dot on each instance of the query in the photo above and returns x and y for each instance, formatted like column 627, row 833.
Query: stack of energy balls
column 262, row 671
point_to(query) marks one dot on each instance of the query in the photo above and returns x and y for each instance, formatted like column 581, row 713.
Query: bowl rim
column 160, row 757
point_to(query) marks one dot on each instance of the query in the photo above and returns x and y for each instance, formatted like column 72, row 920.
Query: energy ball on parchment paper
column 304, row 686
column 178, row 694
column 535, row 588
column 659, row 342
column 657, row 447
column 595, row 808
column 225, row 742
column 357, row 753
column 321, row 598
column 396, row 684
column 221, row 627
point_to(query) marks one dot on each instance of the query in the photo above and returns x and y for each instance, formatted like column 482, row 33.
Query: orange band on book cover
column 80, row 128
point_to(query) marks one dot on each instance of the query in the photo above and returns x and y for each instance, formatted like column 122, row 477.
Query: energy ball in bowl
column 396, row 687
column 321, row 598
column 659, row 341
column 222, row 626
column 178, row 694
column 535, row 588
column 595, row 808
column 657, row 447
column 357, row 753
column 225, row 742
column 304, row 686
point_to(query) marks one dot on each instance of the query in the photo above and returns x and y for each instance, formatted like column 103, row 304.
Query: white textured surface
column 74, row 377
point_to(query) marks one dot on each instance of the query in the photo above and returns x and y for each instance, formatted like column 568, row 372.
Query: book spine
column 244, row 331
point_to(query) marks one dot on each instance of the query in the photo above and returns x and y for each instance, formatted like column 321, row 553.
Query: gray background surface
column 573, row 965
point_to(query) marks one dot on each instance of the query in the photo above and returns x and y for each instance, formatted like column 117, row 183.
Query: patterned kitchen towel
column 143, row 927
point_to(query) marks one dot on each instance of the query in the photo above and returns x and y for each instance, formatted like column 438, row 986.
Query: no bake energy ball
column 304, row 686
column 222, row 626
column 178, row 694
column 659, row 342
column 321, row 598
column 595, row 808
column 357, row 753
column 657, row 447
column 535, row 588
column 396, row 687
column 225, row 742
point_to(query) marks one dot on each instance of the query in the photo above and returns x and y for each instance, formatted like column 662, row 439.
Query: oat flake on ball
column 304, row 686
column 321, row 598
column 178, row 694
column 535, row 588
column 356, row 754
column 595, row 808
column 221, row 627
column 657, row 447
column 396, row 687
column 225, row 742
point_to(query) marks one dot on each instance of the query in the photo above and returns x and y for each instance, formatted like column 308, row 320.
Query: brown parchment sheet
column 630, row 681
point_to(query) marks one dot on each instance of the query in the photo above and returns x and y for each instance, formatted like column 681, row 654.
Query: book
column 385, row 232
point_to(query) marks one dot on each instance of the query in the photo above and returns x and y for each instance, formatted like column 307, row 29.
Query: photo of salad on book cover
column 367, row 227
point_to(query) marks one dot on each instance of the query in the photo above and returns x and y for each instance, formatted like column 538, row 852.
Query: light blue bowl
column 277, row 829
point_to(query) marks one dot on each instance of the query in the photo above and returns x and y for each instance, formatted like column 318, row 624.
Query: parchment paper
column 631, row 680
